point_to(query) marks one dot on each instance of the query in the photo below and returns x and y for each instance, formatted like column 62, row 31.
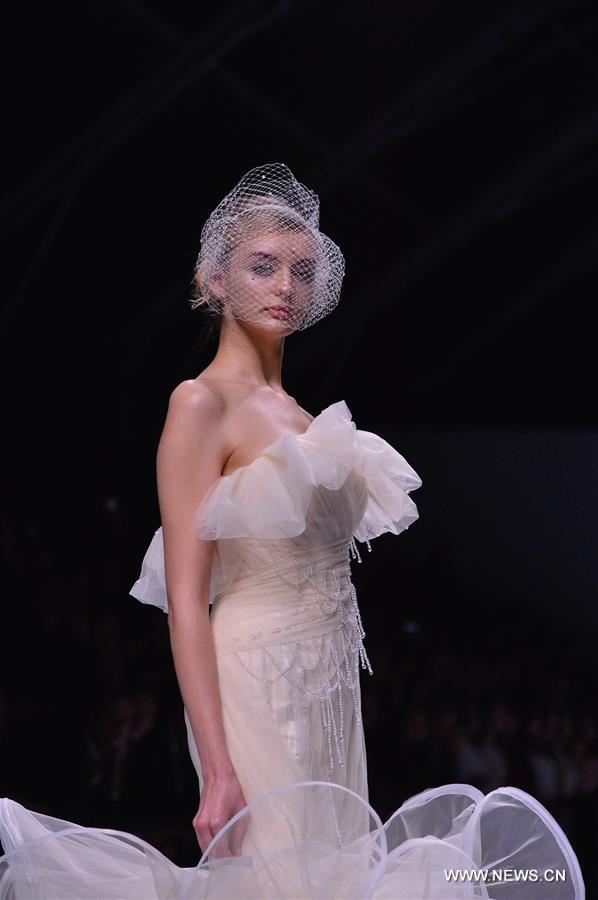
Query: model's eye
column 262, row 269
column 304, row 271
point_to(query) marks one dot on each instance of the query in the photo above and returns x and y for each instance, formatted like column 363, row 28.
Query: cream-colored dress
column 289, row 644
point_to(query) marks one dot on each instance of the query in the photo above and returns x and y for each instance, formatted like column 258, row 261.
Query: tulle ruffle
column 309, row 840
column 271, row 498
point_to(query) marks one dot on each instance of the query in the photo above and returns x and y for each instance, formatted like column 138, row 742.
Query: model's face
column 270, row 278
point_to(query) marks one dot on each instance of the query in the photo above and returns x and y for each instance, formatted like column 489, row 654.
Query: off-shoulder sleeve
column 150, row 587
column 389, row 480
column 270, row 497
column 266, row 499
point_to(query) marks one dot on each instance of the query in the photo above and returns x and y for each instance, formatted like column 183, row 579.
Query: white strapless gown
column 288, row 637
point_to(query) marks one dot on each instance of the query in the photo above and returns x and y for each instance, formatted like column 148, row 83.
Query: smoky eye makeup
column 262, row 268
column 263, row 263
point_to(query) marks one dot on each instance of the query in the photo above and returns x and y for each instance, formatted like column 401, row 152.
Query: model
column 262, row 506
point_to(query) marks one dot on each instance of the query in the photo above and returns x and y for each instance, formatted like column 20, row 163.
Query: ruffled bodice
column 299, row 503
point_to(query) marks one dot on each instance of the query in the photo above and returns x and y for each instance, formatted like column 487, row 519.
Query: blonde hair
column 200, row 294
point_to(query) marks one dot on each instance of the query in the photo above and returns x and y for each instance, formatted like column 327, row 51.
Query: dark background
column 454, row 150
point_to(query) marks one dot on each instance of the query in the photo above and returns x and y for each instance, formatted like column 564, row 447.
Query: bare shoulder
column 194, row 422
column 193, row 398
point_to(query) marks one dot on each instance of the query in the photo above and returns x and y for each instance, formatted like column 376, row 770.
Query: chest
column 257, row 424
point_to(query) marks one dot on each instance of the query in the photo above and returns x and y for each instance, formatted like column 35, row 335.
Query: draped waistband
column 298, row 599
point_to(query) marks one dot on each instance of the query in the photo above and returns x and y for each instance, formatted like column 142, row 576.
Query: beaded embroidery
column 336, row 655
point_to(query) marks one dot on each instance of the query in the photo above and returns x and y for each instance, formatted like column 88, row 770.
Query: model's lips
column 279, row 312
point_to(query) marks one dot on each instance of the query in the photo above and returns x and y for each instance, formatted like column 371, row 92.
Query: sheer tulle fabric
column 309, row 840
column 289, row 650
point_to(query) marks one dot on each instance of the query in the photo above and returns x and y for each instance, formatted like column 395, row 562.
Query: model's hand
column 221, row 798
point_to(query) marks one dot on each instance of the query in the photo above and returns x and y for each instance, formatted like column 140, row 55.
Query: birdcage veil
column 262, row 253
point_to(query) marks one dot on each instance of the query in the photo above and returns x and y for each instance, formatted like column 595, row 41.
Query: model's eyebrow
column 264, row 255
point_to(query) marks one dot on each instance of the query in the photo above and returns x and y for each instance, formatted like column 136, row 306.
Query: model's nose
column 284, row 284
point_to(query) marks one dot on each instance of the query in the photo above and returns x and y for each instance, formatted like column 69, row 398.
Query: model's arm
column 190, row 457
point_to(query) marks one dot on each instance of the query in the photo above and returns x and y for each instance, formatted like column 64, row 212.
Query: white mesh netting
column 263, row 258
